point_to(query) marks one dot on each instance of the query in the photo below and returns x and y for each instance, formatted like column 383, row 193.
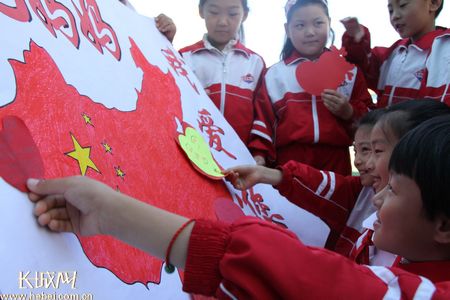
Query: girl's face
column 412, row 18
column 309, row 29
column 378, row 163
column 362, row 154
column 401, row 227
column 223, row 19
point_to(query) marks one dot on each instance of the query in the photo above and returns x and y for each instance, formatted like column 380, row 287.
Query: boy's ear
column 442, row 234
column 200, row 12
column 435, row 4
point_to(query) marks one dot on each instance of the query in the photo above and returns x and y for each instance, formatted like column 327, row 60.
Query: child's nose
column 309, row 31
column 222, row 20
column 378, row 199
column 395, row 14
column 370, row 164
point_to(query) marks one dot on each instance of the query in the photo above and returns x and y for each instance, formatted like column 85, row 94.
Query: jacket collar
column 425, row 42
column 234, row 44
column 436, row 271
column 297, row 57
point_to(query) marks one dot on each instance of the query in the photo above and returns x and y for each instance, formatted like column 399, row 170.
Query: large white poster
column 102, row 93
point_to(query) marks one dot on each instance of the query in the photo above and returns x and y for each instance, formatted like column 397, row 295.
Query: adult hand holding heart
column 20, row 158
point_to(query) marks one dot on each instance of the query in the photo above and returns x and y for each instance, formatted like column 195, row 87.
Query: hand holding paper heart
column 338, row 104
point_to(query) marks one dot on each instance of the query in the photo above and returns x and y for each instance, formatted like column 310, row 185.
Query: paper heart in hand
column 198, row 152
column 327, row 73
column 19, row 156
column 227, row 210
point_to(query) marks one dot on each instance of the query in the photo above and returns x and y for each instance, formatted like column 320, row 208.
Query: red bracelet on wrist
column 170, row 268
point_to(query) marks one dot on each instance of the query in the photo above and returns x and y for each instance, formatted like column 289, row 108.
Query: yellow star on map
column 82, row 155
column 108, row 149
column 120, row 173
column 87, row 119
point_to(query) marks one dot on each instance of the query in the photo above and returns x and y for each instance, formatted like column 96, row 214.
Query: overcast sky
column 264, row 27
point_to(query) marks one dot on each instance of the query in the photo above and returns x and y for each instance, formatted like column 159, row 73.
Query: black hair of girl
column 405, row 116
column 424, row 156
column 288, row 47
column 241, row 29
column 440, row 9
column 371, row 118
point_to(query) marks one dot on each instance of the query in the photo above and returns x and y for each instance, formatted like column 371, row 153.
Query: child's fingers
column 60, row 226
column 58, row 214
column 34, row 197
column 57, row 220
column 165, row 28
column 49, row 187
column 48, row 203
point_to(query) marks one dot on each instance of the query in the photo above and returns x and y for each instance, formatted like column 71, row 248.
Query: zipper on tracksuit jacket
column 397, row 77
column 315, row 119
column 223, row 87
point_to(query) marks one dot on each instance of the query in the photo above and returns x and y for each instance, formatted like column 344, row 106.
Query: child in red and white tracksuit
column 290, row 123
column 227, row 70
column 417, row 66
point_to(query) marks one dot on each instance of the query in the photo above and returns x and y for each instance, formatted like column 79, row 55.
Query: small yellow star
column 82, row 155
column 108, row 149
column 120, row 173
column 87, row 119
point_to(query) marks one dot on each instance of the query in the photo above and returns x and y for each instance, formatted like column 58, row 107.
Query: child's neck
column 428, row 29
column 311, row 57
column 218, row 46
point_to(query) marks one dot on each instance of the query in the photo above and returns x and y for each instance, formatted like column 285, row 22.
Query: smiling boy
column 415, row 66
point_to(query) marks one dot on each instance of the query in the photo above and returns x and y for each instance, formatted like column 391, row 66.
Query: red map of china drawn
column 133, row 152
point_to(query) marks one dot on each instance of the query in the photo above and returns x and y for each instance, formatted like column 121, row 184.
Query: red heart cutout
column 227, row 210
column 327, row 73
column 19, row 156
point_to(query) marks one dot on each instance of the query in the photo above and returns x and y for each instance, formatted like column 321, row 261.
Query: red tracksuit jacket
column 286, row 114
column 404, row 71
column 339, row 200
column 232, row 77
column 254, row 259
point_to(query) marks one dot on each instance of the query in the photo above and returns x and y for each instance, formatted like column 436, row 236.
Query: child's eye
column 319, row 23
column 378, row 151
column 299, row 25
column 233, row 15
column 390, row 188
column 213, row 12
column 365, row 149
column 403, row 5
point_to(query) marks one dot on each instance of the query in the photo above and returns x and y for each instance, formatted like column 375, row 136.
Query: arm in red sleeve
column 367, row 59
column 325, row 194
column 254, row 259
column 358, row 53
column 261, row 135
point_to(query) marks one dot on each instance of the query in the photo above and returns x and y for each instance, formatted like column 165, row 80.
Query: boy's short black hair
column 404, row 116
column 424, row 156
